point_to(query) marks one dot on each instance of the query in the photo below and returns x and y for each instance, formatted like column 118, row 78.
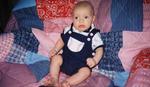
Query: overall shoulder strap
column 93, row 32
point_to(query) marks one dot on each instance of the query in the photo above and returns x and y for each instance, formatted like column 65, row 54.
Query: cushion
column 133, row 43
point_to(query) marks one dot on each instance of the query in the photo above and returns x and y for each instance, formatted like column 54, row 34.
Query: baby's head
column 83, row 15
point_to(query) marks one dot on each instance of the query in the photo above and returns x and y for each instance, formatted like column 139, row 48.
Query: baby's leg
column 77, row 78
column 56, row 62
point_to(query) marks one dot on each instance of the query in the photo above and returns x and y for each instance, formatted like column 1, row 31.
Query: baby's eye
column 76, row 17
column 86, row 17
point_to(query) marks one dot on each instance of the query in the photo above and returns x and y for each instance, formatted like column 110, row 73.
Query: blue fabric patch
column 112, row 44
column 112, row 84
column 120, row 78
column 127, row 15
column 28, row 18
column 32, row 58
column 38, row 64
column 40, row 69
column 24, row 4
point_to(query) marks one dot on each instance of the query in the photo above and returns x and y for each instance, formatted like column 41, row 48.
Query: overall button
column 93, row 54
column 69, row 32
column 88, row 39
column 91, row 34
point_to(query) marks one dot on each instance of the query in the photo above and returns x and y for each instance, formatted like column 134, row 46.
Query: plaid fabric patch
column 110, row 60
column 109, row 74
column 6, row 41
column 26, row 39
column 16, row 55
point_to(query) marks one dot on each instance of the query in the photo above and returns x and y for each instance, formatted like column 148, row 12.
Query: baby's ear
column 93, row 18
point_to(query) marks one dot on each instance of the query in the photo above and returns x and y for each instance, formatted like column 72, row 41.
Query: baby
column 81, row 45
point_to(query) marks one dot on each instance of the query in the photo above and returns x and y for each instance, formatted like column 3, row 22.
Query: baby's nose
column 81, row 20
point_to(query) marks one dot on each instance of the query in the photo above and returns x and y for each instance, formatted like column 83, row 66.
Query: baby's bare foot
column 65, row 84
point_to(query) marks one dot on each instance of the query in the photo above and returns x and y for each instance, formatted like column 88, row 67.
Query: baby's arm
column 58, row 46
column 91, row 62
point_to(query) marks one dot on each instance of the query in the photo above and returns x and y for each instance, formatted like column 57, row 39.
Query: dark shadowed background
column 5, row 11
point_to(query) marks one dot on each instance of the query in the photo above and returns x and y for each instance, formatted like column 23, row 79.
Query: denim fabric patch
column 127, row 15
column 38, row 64
column 27, row 18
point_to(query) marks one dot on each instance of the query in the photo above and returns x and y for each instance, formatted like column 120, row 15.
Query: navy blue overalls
column 73, row 61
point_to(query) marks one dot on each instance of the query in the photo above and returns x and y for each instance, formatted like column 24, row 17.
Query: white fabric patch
column 75, row 45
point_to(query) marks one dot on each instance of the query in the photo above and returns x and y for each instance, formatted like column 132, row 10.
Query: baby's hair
column 84, row 4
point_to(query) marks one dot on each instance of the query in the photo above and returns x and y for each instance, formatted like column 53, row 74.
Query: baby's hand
column 91, row 62
column 52, row 52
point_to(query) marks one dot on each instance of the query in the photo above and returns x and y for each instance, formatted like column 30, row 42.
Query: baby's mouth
column 81, row 26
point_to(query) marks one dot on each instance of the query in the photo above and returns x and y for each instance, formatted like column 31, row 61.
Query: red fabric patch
column 146, row 1
column 48, row 9
column 142, row 60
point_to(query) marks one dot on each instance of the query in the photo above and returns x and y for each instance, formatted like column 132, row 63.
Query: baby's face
column 82, row 18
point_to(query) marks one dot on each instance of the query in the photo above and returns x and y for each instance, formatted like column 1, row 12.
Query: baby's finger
column 90, row 65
